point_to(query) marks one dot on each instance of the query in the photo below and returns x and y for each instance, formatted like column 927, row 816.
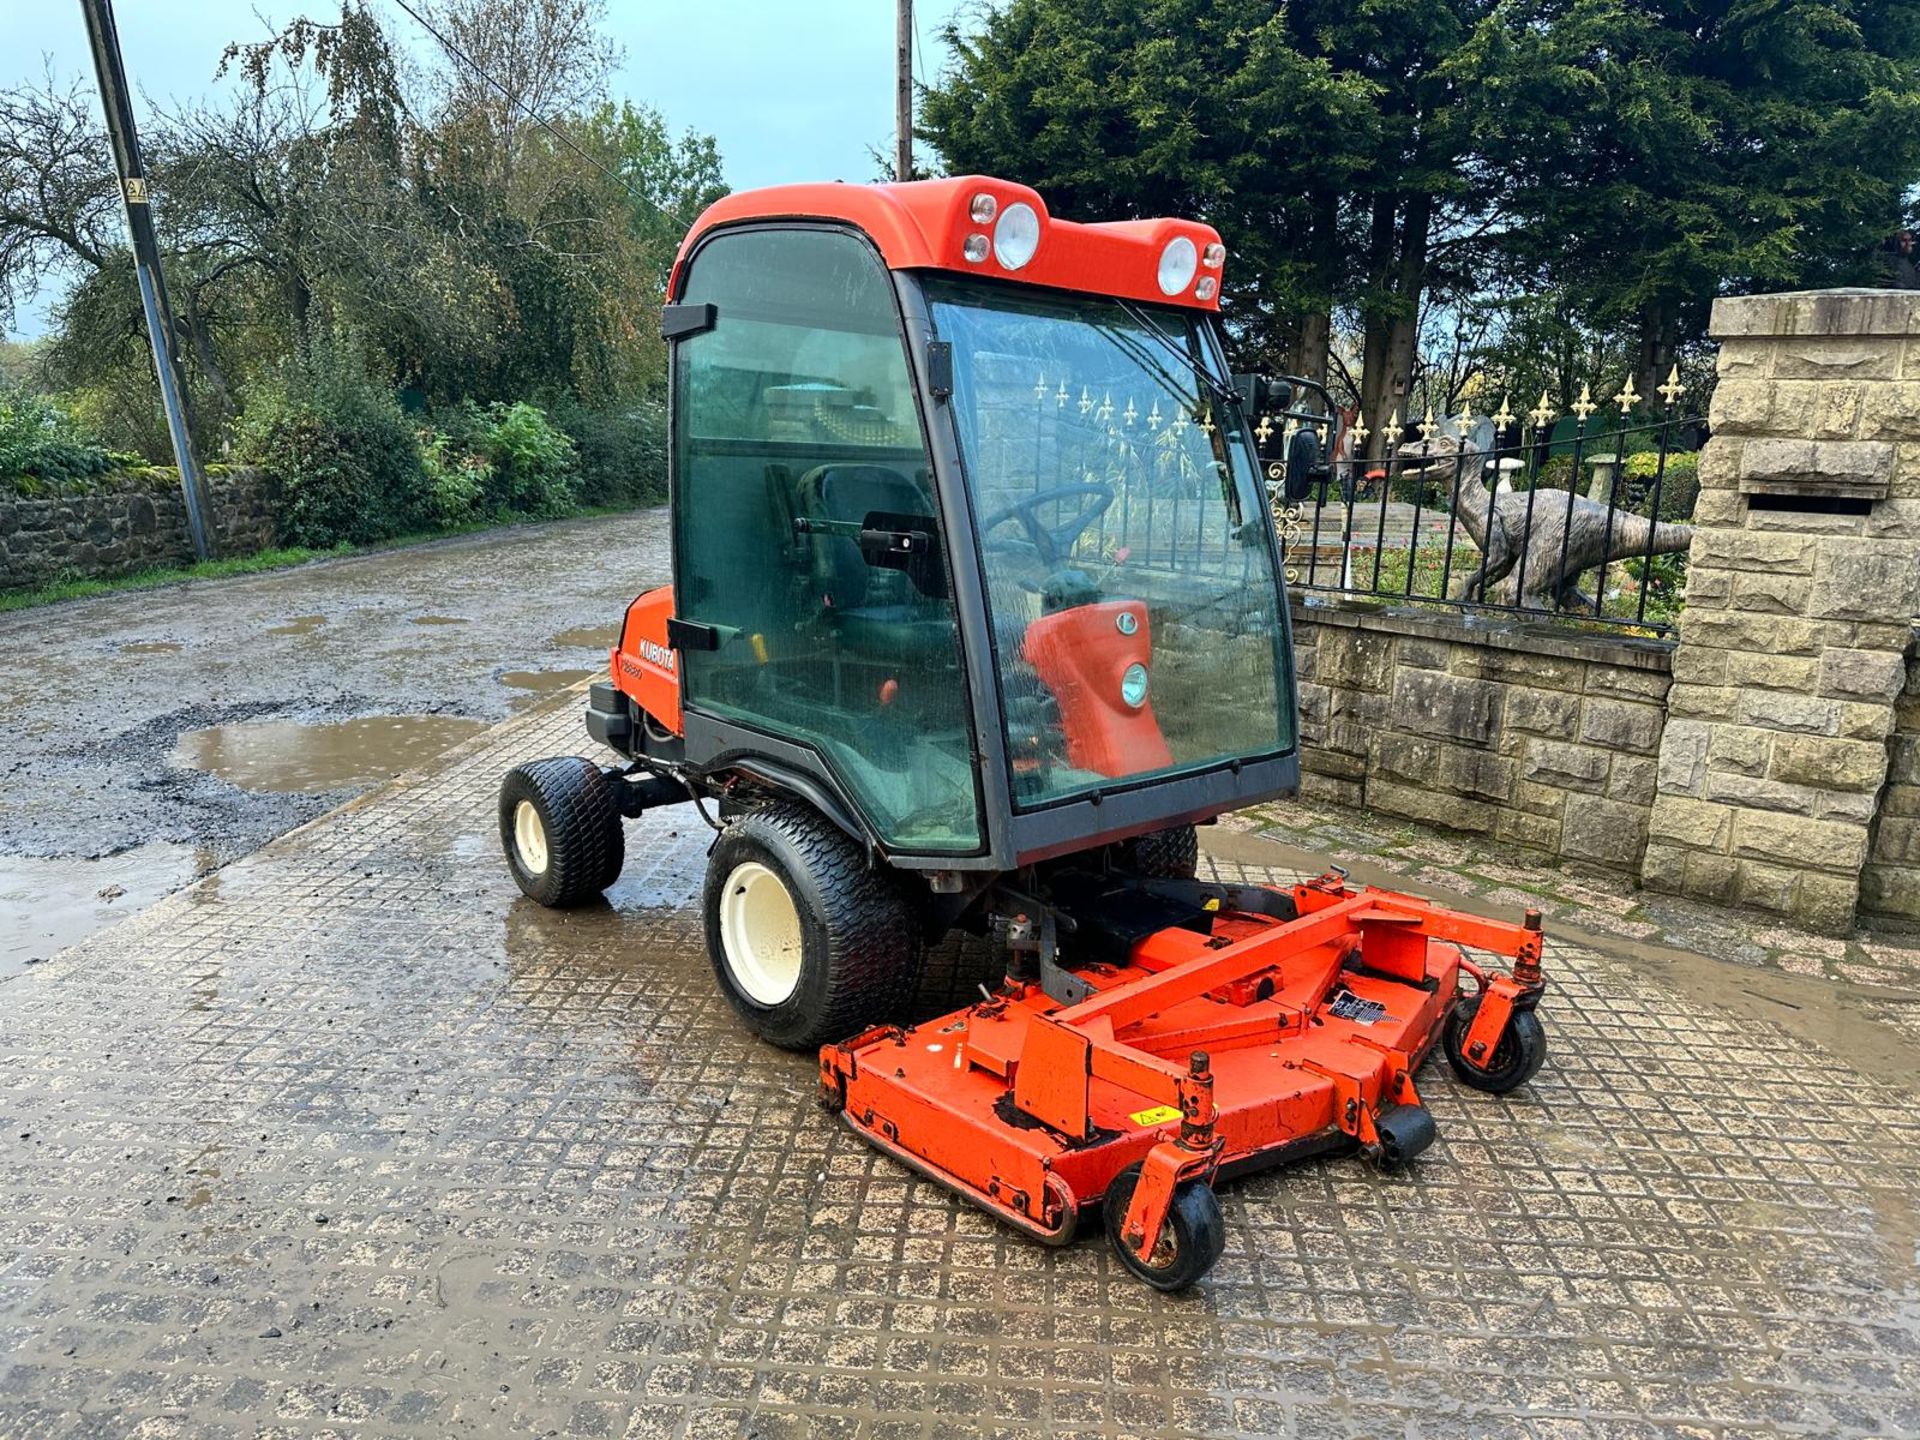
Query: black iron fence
column 1583, row 515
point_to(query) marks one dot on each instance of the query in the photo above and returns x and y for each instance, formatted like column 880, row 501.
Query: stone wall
column 1539, row 736
column 124, row 523
column 1802, row 585
column 1890, row 882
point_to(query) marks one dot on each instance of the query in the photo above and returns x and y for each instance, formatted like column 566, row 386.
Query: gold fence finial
column 1673, row 389
column 1584, row 406
column 1627, row 398
column 1503, row 417
column 1542, row 413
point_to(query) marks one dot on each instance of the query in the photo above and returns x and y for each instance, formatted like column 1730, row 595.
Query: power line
column 540, row 120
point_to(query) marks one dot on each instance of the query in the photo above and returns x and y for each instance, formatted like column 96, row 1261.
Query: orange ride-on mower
column 976, row 612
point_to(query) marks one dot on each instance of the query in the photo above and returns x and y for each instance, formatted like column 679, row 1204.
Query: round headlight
column 1204, row 290
column 983, row 208
column 975, row 248
column 1133, row 685
column 1214, row 256
column 1177, row 264
column 1016, row 235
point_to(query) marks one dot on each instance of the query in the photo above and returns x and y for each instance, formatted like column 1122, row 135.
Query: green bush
column 500, row 460
column 1556, row 474
column 622, row 453
column 342, row 464
column 1679, row 485
column 457, row 477
column 42, row 446
column 531, row 466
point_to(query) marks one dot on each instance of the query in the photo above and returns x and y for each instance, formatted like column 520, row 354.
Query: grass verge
column 276, row 559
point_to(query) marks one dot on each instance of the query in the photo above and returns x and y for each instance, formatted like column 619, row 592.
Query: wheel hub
column 530, row 838
column 760, row 933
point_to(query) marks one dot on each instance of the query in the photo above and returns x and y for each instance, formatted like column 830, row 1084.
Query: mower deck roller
column 1218, row 1047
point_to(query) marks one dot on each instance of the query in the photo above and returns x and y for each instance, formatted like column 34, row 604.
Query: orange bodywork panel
column 1264, row 1040
column 924, row 225
column 644, row 665
column 1081, row 655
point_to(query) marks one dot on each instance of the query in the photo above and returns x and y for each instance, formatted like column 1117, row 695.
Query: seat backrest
column 851, row 493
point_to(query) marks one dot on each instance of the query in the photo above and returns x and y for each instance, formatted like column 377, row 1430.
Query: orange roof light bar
column 977, row 225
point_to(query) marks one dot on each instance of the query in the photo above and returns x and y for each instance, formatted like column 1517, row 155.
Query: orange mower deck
column 1250, row 1042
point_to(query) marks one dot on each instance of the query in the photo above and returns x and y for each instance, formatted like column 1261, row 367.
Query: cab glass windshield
column 1135, row 614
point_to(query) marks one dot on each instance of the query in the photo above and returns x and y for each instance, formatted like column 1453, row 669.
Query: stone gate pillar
column 1801, row 587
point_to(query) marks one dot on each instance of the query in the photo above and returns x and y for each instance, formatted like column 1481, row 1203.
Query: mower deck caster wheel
column 1516, row 1058
column 1191, row 1240
column 1405, row 1130
column 560, row 826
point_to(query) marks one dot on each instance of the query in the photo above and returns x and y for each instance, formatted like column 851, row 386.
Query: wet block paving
column 349, row 1140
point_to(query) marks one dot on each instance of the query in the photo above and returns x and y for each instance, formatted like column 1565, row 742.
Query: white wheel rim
column 760, row 934
column 530, row 838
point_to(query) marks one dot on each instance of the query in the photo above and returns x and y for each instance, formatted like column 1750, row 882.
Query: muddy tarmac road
column 151, row 737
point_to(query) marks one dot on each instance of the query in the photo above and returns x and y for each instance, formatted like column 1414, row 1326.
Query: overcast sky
column 791, row 89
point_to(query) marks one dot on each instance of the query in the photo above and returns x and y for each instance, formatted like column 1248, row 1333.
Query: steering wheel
column 1054, row 542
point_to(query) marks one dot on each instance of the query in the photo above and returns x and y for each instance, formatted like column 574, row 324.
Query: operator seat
column 875, row 612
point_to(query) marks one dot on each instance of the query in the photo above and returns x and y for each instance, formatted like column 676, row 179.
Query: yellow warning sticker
column 1158, row 1115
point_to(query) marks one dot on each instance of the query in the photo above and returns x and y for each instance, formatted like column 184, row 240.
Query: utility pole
column 117, row 104
column 903, row 91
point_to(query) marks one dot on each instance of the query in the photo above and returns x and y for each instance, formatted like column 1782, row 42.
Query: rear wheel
column 1191, row 1239
column 1164, row 854
column 809, row 944
column 561, row 831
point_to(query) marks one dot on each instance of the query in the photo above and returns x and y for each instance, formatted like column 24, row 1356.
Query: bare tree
column 521, row 63
column 58, row 204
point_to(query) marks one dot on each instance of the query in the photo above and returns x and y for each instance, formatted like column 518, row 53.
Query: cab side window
column 800, row 465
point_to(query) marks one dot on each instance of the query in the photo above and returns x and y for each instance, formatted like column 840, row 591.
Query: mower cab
column 976, row 611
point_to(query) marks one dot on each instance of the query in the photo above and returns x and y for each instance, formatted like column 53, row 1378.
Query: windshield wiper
column 1222, row 394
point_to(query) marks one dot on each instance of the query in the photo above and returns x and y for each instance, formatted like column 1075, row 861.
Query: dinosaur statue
column 1568, row 535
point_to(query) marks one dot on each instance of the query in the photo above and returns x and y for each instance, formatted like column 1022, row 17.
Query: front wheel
column 560, row 828
column 809, row 944
column 1516, row 1058
column 1190, row 1241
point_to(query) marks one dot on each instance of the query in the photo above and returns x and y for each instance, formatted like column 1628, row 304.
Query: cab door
column 808, row 547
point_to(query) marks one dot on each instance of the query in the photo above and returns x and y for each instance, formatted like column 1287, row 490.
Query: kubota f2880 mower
column 976, row 611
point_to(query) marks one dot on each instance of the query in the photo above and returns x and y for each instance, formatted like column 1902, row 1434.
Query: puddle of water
column 298, row 625
column 540, row 683
column 287, row 757
column 47, row 905
column 438, row 620
column 594, row 637
column 152, row 647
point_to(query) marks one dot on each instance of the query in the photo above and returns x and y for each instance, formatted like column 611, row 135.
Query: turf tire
column 1516, row 1058
column 578, row 816
column 1194, row 1234
column 859, row 941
